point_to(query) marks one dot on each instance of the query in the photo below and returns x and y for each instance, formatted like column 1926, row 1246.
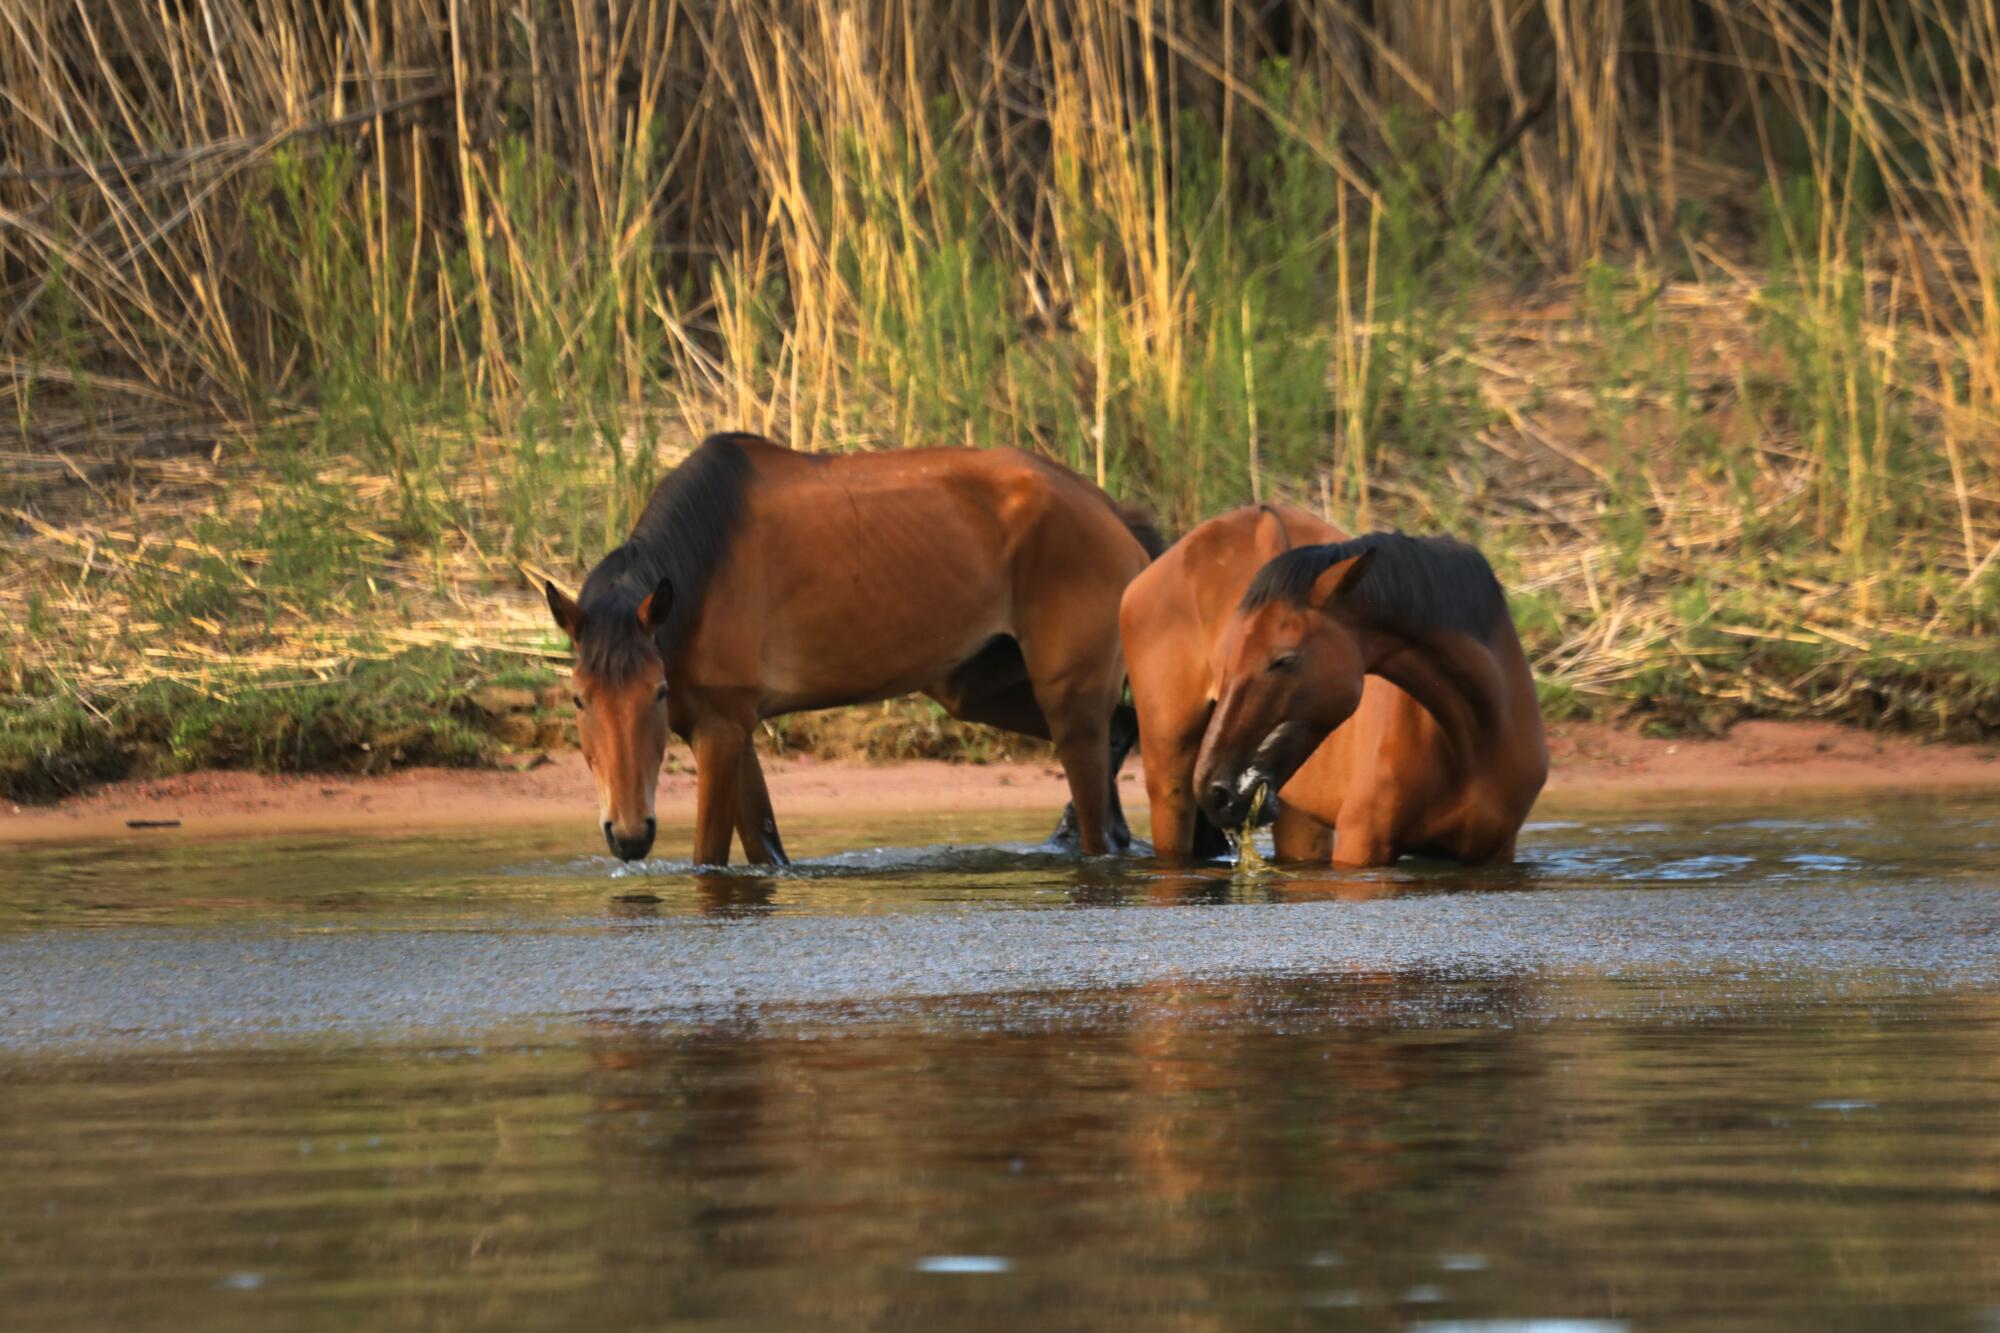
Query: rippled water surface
column 1683, row 1067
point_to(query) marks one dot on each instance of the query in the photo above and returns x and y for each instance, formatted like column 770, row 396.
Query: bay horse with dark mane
column 762, row 581
column 1375, row 684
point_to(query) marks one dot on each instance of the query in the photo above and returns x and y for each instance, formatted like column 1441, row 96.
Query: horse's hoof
column 773, row 846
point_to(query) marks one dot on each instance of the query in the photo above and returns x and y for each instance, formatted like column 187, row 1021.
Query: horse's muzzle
column 1227, row 804
column 629, row 847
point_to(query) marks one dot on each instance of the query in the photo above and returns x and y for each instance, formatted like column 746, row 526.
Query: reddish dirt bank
column 1756, row 760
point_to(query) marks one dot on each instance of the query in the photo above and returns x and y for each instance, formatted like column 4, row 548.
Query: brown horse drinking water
column 761, row 581
column 1376, row 684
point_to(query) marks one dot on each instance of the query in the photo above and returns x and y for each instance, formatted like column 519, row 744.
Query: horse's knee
column 1360, row 847
column 1082, row 725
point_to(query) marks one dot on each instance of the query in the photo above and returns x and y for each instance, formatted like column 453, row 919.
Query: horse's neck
column 1463, row 683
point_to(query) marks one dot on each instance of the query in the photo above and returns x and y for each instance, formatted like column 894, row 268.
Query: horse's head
column 620, row 685
column 1287, row 671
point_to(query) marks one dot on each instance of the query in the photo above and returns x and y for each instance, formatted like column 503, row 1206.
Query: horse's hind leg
column 997, row 688
column 1078, row 703
column 1085, row 752
column 756, row 825
column 1010, row 706
column 993, row 689
column 1124, row 735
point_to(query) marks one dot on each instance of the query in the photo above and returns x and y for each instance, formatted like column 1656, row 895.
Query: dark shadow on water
column 1191, row 887
column 636, row 907
column 736, row 896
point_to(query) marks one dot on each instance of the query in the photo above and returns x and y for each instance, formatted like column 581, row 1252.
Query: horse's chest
column 1480, row 821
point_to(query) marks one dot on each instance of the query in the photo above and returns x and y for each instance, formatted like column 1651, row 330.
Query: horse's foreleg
column 1297, row 836
column 1181, row 832
column 1170, row 790
column 1363, row 836
column 718, row 763
column 755, row 823
column 1170, row 738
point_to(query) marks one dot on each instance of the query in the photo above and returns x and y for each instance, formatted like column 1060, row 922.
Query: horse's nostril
column 634, row 849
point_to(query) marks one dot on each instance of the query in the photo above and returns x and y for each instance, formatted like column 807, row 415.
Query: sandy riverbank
column 1763, row 760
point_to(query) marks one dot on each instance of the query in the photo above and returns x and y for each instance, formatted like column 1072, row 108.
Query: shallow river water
column 1682, row 1067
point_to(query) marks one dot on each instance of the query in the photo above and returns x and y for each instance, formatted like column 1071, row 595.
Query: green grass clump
column 410, row 709
column 53, row 746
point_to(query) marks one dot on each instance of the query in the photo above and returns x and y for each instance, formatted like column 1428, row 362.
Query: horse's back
column 1187, row 593
column 1002, row 490
column 871, row 574
column 999, row 516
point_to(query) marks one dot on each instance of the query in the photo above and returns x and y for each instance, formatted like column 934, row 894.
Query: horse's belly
column 875, row 589
column 870, row 653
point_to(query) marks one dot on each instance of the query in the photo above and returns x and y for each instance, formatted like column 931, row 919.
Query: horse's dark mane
column 1140, row 523
column 1427, row 583
column 681, row 537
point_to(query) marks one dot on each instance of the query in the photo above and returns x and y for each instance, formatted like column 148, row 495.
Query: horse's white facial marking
column 1267, row 752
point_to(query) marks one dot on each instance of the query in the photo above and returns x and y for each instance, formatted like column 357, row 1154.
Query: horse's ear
column 653, row 611
column 567, row 613
column 1339, row 579
column 1270, row 539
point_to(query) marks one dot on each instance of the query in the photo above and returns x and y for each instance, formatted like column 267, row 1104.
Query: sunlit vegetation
column 329, row 328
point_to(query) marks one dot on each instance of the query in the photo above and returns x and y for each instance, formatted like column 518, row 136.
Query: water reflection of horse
column 1180, row 1147
column 726, row 896
column 1377, row 681
column 760, row 581
column 1200, row 884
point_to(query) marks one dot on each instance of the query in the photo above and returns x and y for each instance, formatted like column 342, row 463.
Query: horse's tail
column 1138, row 521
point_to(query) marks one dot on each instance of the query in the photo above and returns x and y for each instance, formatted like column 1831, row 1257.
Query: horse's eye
column 660, row 695
column 577, row 699
column 1284, row 661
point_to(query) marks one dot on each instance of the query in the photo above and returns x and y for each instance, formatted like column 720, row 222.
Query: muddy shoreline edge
column 1591, row 761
